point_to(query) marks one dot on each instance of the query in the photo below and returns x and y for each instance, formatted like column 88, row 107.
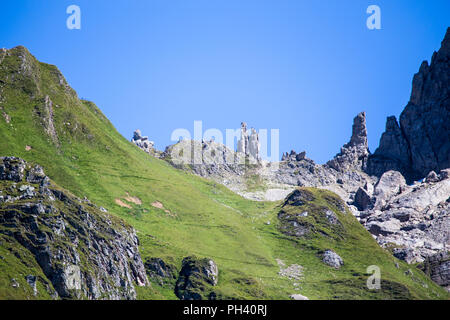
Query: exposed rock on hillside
column 196, row 278
column 159, row 270
column 332, row 259
column 145, row 144
column 83, row 252
column 422, row 141
column 438, row 268
column 305, row 213
column 206, row 158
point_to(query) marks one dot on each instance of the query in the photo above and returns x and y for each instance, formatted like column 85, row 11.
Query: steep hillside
column 54, row 244
column 179, row 215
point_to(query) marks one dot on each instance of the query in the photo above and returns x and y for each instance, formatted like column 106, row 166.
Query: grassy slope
column 92, row 159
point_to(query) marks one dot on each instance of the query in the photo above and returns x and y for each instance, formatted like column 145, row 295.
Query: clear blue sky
column 304, row 67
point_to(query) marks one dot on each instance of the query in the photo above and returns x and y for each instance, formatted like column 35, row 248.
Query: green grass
column 207, row 220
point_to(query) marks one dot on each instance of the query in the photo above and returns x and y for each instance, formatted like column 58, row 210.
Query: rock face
column 159, row 270
column 355, row 153
column 196, row 278
column 438, row 268
column 422, row 141
column 82, row 251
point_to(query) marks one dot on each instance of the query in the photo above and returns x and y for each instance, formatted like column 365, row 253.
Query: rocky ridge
column 411, row 218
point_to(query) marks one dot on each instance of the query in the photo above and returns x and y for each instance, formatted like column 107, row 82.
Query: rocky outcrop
column 303, row 213
column 206, row 159
column 293, row 156
column 332, row 259
column 196, row 279
column 438, row 268
column 82, row 251
column 421, row 143
column 157, row 269
column 355, row 153
column 145, row 144
column 248, row 144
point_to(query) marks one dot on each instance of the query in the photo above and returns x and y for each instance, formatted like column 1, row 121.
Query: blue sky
column 304, row 67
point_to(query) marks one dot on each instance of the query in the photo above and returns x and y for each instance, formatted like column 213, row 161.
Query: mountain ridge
column 177, row 214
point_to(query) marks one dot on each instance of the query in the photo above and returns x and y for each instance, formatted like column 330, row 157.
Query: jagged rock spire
column 354, row 154
column 359, row 131
column 249, row 143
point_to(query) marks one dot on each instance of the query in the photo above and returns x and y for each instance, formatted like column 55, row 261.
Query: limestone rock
column 332, row 259
column 143, row 143
column 249, row 144
column 362, row 199
column 390, row 184
column 355, row 153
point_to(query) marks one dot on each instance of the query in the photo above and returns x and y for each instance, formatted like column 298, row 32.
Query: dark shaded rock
column 362, row 199
column 438, row 268
column 405, row 254
column 444, row 174
column 12, row 168
column 36, row 175
column 196, row 279
column 298, row 197
column 402, row 216
column 159, row 270
column 383, row 228
column 301, row 156
column 432, row 177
